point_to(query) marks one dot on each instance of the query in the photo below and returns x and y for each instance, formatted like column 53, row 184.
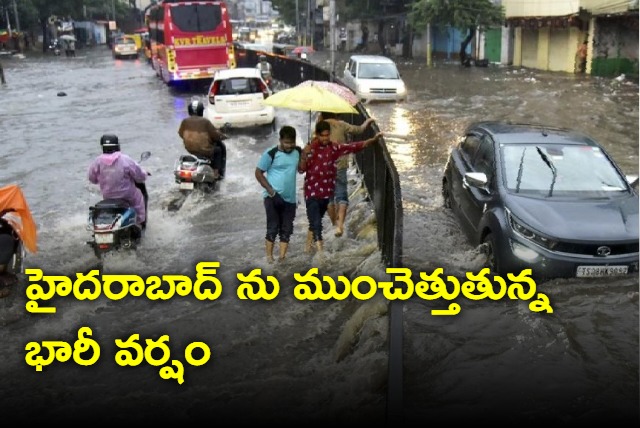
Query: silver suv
column 374, row 78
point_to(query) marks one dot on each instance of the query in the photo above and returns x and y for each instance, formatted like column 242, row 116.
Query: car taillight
column 185, row 173
column 214, row 90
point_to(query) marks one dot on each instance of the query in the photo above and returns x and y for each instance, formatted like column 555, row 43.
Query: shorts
column 340, row 194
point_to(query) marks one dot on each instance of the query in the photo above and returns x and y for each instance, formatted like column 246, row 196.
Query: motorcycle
column 112, row 223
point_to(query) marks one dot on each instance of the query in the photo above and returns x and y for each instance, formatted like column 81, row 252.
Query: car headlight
column 526, row 232
column 402, row 89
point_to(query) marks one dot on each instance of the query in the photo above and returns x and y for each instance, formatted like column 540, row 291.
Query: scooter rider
column 265, row 68
column 16, row 226
column 119, row 177
column 202, row 139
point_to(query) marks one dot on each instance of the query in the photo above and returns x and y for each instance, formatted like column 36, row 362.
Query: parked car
column 544, row 198
column 125, row 46
column 235, row 99
column 374, row 78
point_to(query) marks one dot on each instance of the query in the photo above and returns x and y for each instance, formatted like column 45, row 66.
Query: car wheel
column 273, row 124
column 446, row 194
column 489, row 244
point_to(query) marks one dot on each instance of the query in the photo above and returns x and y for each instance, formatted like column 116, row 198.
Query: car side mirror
column 633, row 181
column 478, row 180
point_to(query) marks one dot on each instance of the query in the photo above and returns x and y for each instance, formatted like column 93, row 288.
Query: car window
column 352, row 67
column 469, row 147
column 377, row 71
column 239, row 85
column 572, row 170
column 484, row 159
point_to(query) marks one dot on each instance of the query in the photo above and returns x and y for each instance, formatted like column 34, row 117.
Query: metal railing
column 381, row 180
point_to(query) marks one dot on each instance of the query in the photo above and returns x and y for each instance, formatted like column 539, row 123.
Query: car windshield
column 559, row 170
column 377, row 71
column 126, row 42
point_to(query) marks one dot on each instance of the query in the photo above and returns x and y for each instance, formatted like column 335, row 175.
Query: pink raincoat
column 117, row 173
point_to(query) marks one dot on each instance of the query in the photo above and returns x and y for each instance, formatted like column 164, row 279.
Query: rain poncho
column 117, row 173
column 17, row 214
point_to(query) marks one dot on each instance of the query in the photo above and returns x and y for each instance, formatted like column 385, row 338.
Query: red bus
column 189, row 39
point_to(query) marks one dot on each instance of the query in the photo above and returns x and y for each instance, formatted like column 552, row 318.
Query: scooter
column 55, row 47
column 112, row 223
column 268, row 78
column 11, row 242
column 195, row 173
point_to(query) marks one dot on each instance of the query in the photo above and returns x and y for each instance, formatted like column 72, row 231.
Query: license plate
column 597, row 271
column 186, row 185
column 104, row 238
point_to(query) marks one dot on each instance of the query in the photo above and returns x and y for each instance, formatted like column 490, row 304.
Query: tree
column 461, row 14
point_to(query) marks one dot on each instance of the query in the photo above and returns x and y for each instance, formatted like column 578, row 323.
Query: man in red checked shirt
column 319, row 162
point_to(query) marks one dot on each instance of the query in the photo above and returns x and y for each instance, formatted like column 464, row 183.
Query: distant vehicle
column 374, row 78
column 544, row 198
column 235, row 99
column 190, row 40
column 125, row 46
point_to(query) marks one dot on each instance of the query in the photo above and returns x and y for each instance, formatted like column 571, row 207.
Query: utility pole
column 113, row 9
column 308, row 32
column 297, row 22
column 332, row 35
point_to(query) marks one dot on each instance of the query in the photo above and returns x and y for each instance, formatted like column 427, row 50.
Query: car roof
column 518, row 133
column 372, row 58
column 229, row 73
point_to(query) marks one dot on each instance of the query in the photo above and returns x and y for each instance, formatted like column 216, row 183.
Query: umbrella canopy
column 68, row 37
column 310, row 98
column 302, row 49
column 336, row 88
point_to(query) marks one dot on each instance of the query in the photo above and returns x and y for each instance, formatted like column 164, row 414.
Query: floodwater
column 287, row 361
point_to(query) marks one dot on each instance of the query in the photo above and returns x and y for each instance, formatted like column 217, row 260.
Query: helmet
column 196, row 108
column 263, row 57
column 109, row 143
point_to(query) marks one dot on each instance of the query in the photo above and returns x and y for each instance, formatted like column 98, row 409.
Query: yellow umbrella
column 310, row 98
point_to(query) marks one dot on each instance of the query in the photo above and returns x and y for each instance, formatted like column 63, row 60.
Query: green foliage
column 460, row 14
column 33, row 12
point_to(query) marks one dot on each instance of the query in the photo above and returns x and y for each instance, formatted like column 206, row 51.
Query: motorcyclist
column 118, row 176
column 265, row 69
column 202, row 139
column 16, row 225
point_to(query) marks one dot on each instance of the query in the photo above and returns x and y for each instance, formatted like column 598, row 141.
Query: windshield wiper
column 551, row 166
column 519, row 179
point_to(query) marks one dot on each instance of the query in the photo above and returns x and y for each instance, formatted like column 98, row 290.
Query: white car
column 374, row 78
column 235, row 98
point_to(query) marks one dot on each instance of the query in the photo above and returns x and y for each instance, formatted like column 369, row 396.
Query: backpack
column 272, row 152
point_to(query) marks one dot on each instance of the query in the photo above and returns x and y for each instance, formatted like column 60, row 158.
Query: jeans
column 280, row 216
column 315, row 212
column 340, row 195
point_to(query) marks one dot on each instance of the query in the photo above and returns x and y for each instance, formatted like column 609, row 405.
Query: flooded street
column 286, row 361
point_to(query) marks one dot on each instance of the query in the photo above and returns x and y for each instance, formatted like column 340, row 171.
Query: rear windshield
column 196, row 17
column 123, row 41
column 238, row 85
